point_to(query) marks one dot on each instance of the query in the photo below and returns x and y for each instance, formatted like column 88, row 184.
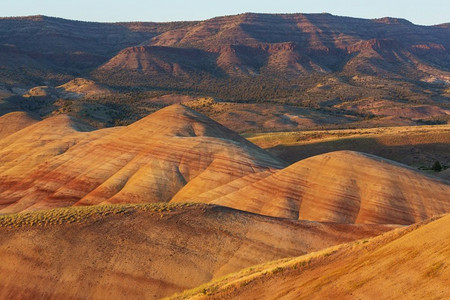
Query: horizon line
column 218, row 16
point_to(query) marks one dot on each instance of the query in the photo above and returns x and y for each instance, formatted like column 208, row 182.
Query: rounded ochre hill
column 15, row 121
column 410, row 263
column 54, row 164
column 147, row 251
column 343, row 187
column 180, row 155
column 81, row 87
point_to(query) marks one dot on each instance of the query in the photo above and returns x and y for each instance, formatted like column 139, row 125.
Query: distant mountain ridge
column 241, row 45
column 352, row 68
column 300, row 44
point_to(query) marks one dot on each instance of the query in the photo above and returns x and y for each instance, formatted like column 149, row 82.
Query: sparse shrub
column 436, row 166
column 277, row 270
column 68, row 215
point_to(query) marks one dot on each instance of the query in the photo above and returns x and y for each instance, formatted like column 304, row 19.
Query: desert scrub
column 277, row 270
column 77, row 214
column 435, row 269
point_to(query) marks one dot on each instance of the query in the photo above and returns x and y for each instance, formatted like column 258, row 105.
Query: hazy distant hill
column 346, row 67
column 246, row 45
column 46, row 48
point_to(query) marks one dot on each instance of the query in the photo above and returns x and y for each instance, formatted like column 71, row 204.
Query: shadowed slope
column 148, row 161
column 290, row 45
column 408, row 264
column 15, row 121
column 411, row 145
column 147, row 251
column 344, row 187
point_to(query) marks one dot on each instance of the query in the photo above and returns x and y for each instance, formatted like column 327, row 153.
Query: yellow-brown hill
column 147, row 251
column 81, row 87
column 343, row 187
column 179, row 155
column 410, row 263
column 15, row 121
column 417, row 146
column 52, row 164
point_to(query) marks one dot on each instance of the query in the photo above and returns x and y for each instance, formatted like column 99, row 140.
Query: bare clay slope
column 15, row 121
column 35, row 144
column 146, row 251
column 406, row 264
column 343, row 187
column 180, row 155
column 148, row 161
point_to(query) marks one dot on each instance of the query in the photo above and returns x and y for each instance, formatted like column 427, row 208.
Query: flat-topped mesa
column 342, row 187
column 151, row 160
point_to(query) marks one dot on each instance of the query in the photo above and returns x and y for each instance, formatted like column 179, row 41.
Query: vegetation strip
column 76, row 214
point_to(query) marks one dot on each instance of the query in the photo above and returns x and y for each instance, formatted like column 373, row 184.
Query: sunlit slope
column 53, row 164
column 408, row 264
column 23, row 150
column 343, row 187
column 179, row 155
column 146, row 251
column 15, row 121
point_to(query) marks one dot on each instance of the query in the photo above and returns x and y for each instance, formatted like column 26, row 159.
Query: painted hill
column 73, row 89
column 179, row 155
column 53, row 164
column 147, row 251
column 411, row 263
column 416, row 146
column 35, row 144
column 15, row 121
column 343, row 187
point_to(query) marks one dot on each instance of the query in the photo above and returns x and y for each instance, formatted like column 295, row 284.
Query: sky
column 423, row 12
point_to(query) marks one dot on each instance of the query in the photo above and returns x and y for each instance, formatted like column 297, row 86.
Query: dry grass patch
column 78, row 214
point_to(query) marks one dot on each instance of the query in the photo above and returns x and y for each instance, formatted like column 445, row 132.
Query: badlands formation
column 147, row 251
column 344, row 187
column 176, row 200
column 410, row 263
column 179, row 155
column 15, row 121
column 53, row 164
